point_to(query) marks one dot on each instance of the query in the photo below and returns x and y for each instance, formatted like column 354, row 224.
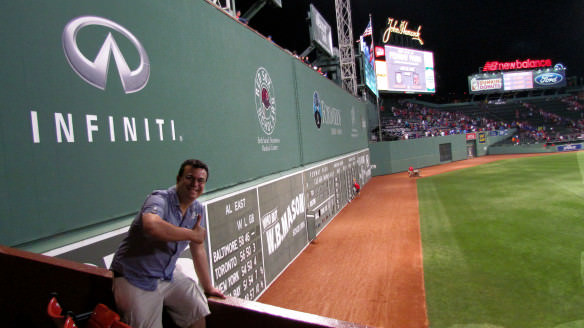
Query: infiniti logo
column 95, row 73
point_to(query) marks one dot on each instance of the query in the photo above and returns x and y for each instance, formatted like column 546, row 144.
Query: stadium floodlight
column 346, row 51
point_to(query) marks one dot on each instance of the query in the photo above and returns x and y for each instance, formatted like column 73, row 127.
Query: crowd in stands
column 536, row 125
column 408, row 120
column 238, row 15
column 306, row 61
column 303, row 59
column 573, row 105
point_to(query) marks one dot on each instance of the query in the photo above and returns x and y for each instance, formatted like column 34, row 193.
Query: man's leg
column 184, row 301
column 138, row 307
column 199, row 324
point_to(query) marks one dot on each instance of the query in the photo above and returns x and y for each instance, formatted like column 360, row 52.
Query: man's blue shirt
column 143, row 260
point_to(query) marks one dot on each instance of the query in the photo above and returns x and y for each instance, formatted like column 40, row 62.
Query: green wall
column 489, row 140
column 75, row 156
column 343, row 124
column 397, row 156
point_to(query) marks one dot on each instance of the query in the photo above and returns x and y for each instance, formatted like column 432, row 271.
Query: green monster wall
column 398, row 156
column 83, row 142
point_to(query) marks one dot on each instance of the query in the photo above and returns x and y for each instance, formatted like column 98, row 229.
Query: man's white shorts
column 182, row 298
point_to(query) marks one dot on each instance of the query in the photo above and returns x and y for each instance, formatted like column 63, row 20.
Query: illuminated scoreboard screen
column 518, row 81
column 500, row 82
column 405, row 70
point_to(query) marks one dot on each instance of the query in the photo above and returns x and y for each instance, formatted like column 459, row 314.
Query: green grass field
column 503, row 244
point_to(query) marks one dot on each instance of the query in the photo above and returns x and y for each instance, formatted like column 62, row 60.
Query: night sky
column 463, row 35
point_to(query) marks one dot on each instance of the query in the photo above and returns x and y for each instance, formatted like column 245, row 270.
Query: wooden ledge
column 235, row 311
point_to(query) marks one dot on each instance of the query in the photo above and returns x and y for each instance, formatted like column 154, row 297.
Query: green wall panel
column 75, row 155
column 343, row 118
column 397, row 156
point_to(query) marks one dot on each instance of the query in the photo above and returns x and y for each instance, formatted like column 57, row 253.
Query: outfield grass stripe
column 502, row 243
column 580, row 156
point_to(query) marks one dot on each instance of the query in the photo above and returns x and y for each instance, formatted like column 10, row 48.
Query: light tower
column 346, row 50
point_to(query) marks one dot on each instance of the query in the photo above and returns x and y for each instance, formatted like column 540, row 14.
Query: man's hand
column 214, row 292
column 157, row 228
column 199, row 233
column 201, row 264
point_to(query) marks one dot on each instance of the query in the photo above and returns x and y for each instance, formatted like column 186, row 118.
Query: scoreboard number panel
column 283, row 222
column 236, row 256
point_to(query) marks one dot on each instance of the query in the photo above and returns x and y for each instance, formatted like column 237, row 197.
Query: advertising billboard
column 517, row 80
column 491, row 66
column 406, row 70
column 485, row 84
column 549, row 79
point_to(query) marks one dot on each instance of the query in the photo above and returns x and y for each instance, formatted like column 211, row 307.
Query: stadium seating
column 55, row 311
column 101, row 316
column 539, row 119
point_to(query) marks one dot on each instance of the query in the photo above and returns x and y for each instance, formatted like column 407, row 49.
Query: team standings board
column 255, row 233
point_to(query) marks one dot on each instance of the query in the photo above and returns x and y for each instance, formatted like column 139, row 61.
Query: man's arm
column 156, row 227
column 202, row 269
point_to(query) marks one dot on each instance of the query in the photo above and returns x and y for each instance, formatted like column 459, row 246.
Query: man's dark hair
column 194, row 163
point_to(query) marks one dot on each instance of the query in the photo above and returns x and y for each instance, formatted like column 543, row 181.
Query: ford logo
column 549, row 79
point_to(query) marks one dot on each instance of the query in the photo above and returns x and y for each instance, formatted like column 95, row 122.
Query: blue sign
column 570, row 147
column 549, row 79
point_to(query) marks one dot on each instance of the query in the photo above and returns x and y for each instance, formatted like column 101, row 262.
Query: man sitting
column 413, row 173
column 356, row 188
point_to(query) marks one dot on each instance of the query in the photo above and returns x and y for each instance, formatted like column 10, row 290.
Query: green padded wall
column 75, row 155
column 397, row 156
column 343, row 121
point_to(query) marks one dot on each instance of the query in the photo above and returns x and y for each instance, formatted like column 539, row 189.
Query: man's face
column 191, row 184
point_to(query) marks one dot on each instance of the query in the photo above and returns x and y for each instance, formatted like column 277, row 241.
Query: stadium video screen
column 406, row 70
column 368, row 69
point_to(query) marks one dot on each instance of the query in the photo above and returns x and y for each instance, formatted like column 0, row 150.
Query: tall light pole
column 346, row 49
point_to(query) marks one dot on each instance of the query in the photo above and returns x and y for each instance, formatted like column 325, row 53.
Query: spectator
column 144, row 266
column 241, row 19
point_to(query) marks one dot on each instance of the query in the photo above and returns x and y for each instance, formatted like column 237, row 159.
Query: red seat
column 54, row 309
column 55, row 312
column 69, row 323
column 102, row 317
